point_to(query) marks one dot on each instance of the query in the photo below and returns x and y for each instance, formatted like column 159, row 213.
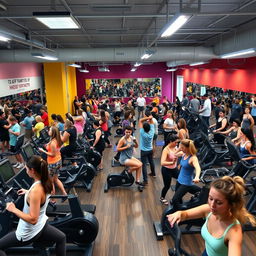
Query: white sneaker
column 21, row 165
column 15, row 165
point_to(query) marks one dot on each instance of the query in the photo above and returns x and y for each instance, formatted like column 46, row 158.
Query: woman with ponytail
column 33, row 224
column 186, row 179
column 224, row 213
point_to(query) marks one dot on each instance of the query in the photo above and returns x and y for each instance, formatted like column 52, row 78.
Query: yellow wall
column 60, row 87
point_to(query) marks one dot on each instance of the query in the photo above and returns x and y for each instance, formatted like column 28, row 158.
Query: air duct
column 114, row 54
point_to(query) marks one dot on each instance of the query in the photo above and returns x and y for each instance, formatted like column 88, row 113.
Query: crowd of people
column 225, row 209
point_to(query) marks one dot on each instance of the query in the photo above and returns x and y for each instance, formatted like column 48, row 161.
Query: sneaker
column 20, row 166
column 139, row 183
column 15, row 165
column 152, row 175
column 163, row 201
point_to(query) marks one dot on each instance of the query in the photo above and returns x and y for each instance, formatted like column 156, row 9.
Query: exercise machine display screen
column 6, row 171
column 28, row 151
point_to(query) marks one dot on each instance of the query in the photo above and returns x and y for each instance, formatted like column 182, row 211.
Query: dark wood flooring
column 126, row 217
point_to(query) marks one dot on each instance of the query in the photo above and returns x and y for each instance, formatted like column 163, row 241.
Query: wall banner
column 13, row 86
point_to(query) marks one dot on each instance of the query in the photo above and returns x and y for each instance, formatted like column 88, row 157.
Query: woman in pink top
column 79, row 122
column 169, row 165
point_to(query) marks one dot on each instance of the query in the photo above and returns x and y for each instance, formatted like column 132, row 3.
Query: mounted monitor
column 6, row 171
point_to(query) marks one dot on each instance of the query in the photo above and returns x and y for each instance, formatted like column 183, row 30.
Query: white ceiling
column 126, row 23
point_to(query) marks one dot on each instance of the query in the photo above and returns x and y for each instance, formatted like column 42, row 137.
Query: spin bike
column 124, row 179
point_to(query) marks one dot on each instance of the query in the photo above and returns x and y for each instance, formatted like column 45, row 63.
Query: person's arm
column 65, row 136
column 77, row 118
column 212, row 125
column 143, row 119
column 248, row 147
column 195, row 163
column 235, row 238
column 53, row 152
column 227, row 131
column 238, row 136
column 223, row 125
column 17, row 133
column 120, row 145
column 34, row 207
column 251, row 120
column 97, row 137
column 194, row 213
column 7, row 126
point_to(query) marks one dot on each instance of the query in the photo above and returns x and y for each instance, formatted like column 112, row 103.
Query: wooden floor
column 126, row 217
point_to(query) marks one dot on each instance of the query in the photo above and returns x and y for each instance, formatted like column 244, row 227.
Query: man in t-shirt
column 44, row 116
column 27, row 123
column 195, row 104
column 205, row 112
column 14, row 132
column 141, row 102
column 4, row 134
column 147, row 132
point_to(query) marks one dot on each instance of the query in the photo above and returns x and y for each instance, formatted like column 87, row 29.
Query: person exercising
column 224, row 213
column 126, row 145
column 33, row 224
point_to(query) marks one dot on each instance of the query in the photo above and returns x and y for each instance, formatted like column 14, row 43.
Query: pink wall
column 236, row 74
column 123, row 71
column 18, row 70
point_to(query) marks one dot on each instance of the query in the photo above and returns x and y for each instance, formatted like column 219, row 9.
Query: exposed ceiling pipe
column 131, row 54
column 21, row 38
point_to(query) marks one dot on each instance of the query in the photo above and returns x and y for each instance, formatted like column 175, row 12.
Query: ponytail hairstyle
column 249, row 135
column 55, row 134
column 41, row 168
column 190, row 145
column 233, row 189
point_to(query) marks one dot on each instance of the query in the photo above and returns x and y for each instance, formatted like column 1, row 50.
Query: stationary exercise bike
column 124, row 179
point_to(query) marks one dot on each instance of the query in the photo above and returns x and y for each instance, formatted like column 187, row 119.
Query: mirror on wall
column 124, row 87
column 200, row 90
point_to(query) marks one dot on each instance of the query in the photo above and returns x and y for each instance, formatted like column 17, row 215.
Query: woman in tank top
column 224, row 213
column 234, row 131
column 248, row 121
column 182, row 129
column 126, row 145
column 189, row 164
column 221, row 126
column 54, row 158
column 33, row 224
column 169, row 165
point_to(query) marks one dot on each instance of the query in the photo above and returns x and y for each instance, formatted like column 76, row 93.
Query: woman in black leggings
column 169, row 165
column 33, row 224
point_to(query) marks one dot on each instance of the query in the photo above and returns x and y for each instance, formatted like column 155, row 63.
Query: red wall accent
column 236, row 74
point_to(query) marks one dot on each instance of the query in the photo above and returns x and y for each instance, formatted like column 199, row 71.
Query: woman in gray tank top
column 126, row 145
column 32, row 219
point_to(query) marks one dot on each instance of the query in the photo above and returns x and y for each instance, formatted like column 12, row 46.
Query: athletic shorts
column 54, row 168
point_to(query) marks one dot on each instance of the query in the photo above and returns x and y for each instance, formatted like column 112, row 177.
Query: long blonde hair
column 233, row 189
column 190, row 145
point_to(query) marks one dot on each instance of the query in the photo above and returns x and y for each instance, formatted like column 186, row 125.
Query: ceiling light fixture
column 103, row 69
column 147, row 54
column 238, row 53
column 4, row 38
column 137, row 64
column 133, row 69
column 197, row 63
column 84, row 70
column 174, row 24
column 171, row 69
column 57, row 20
column 74, row 65
column 44, row 56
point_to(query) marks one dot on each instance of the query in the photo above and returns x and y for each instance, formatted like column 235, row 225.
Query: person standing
column 44, row 116
column 205, row 112
column 27, row 123
column 195, row 104
column 147, row 132
column 4, row 134
column 141, row 102
column 236, row 111
column 14, row 132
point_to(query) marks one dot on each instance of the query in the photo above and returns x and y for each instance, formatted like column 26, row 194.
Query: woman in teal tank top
column 224, row 213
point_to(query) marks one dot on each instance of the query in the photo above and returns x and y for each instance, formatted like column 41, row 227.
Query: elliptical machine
column 124, row 179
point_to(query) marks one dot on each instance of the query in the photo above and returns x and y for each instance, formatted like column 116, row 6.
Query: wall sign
column 17, row 85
